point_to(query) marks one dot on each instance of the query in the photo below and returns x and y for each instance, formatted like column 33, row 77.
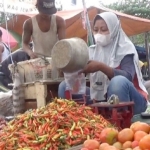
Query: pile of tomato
column 137, row 137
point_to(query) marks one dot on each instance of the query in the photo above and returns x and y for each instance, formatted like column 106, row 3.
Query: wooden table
column 40, row 91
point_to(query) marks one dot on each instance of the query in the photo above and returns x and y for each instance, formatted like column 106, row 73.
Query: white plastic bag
column 75, row 82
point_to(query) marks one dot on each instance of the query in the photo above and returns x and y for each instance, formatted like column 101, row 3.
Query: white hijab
column 112, row 55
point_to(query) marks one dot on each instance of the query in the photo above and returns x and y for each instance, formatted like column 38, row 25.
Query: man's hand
column 33, row 55
column 91, row 67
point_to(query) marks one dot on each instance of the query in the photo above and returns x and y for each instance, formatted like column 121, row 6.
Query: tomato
column 109, row 135
column 110, row 148
column 140, row 126
column 139, row 135
column 118, row 145
column 135, row 144
column 127, row 144
column 103, row 146
column 145, row 142
column 137, row 148
column 91, row 144
column 125, row 135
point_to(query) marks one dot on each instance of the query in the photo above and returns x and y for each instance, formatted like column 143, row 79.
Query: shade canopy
column 131, row 25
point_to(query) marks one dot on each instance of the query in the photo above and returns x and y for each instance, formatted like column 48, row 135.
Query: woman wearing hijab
column 114, row 64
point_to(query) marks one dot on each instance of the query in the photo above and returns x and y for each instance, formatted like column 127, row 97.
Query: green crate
column 140, row 118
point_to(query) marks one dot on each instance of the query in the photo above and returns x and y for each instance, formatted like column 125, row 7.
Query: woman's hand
column 91, row 67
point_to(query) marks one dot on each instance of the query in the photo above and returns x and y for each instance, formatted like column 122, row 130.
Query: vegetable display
column 60, row 125
column 136, row 137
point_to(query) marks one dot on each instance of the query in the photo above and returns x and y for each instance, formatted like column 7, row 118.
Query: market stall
column 60, row 124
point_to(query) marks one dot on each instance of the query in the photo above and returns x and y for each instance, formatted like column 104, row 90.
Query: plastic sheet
column 75, row 82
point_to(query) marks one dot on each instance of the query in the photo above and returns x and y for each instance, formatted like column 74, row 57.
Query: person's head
column 1, row 33
column 46, row 7
column 105, row 27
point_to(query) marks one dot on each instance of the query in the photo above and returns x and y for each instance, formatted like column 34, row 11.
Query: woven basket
column 36, row 70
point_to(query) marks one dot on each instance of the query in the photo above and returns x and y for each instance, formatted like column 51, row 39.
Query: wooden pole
column 147, row 52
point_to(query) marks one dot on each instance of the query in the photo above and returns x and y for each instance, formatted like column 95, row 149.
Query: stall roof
column 130, row 24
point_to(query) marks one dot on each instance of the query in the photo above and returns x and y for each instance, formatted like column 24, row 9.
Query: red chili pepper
column 56, row 120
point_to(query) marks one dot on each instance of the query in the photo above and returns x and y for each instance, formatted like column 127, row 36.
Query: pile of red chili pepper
column 58, row 126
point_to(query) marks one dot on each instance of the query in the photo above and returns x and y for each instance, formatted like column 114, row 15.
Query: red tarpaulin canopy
column 130, row 24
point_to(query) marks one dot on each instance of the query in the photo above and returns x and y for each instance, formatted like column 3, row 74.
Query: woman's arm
column 126, row 69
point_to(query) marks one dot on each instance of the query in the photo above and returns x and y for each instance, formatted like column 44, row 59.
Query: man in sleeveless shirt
column 4, row 50
column 45, row 29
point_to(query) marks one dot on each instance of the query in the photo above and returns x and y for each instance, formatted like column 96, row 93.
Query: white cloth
column 112, row 55
column 6, row 52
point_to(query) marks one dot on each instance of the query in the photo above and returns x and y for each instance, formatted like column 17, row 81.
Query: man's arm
column 26, row 37
column 1, row 51
column 61, row 28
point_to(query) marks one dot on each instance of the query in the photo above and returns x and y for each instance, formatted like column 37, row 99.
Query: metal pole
column 87, row 23
column 7, row 32
column 147, row 52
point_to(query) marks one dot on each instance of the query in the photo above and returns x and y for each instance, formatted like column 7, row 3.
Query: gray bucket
column 70, row 55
